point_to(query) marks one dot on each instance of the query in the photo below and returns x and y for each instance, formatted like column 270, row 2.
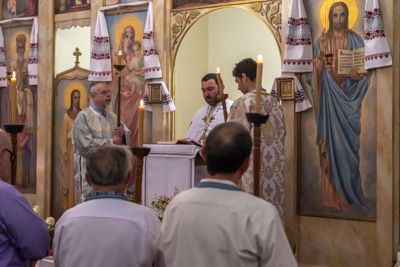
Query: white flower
column 50, row 221
column 36, row 209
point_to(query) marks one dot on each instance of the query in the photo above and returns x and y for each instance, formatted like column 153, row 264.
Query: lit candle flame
column 141, row 102
column 13, row 75
column 217, row 70
column 119, row 53
column 259, row 58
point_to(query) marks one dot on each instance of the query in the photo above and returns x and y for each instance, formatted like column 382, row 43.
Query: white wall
column 66, row 42
column 220, row 39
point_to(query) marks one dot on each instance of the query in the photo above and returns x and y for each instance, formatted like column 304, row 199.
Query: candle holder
column 119, row 68
column 222, row 98
column 257, row 119
column 140, row 153
column 14, row 129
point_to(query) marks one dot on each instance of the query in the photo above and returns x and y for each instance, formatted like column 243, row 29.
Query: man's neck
column 234, row 177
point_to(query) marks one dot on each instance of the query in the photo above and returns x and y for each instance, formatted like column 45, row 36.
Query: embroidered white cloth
column 298, row 48
column 3, row 70
column 33, row 53
column 168, row 103
column 100, row 61
column 302, row 102
column 377, row 50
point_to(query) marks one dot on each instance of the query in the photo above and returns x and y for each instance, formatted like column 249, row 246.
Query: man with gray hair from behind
column 107, row 229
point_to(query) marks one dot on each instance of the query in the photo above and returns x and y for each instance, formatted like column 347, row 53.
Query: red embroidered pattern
column 298, row 62
column 148, row 35
column 373, row 25
column 298, row 41
column 100, row 56
column 376, row 56
column 100, row 73
column 152, row 69
column 32, row 60
column 297, row 22
column 33, row 45
column 150, row 52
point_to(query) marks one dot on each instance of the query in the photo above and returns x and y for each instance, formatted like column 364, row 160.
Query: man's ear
column 245, row 165
column 88, row 179
column 223, row 87
column 202, row 153
column 243, row 77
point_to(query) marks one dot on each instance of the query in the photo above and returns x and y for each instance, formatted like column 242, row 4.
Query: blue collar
column 254, row 89
column 105, row 194
column 97, row 110
column 218, row 186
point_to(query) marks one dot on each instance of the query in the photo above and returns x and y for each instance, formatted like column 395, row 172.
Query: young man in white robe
column 272, row 137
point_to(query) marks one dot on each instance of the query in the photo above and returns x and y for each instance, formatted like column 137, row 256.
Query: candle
column 219, row 82
column 13, row 99
column 141, row 118
column 258, row 83
column 119, row 57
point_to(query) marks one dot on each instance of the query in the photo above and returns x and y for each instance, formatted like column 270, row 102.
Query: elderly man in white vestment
column 94, row 126
column 212, row 114
column 216, row 223
column 107, row 229
column 272, row 137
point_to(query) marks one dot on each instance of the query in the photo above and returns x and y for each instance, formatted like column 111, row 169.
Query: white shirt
column 220, row 227
column 199, row 128
column 108, row 232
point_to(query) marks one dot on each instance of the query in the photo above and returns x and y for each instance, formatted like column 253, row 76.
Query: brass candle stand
column 140, row 153
column 256, row 119
column 14, row 129
column 222, row 98
column 119, row 68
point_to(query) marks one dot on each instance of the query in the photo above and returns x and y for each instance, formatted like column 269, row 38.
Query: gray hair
column 108, row 165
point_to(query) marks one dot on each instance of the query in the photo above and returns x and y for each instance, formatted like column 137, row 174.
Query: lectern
column 169, row 166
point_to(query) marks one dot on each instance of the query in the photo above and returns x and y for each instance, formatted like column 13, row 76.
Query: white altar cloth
column 169, row 166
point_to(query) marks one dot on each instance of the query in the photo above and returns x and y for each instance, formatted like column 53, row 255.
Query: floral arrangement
column 50, row 222
column 161, row 202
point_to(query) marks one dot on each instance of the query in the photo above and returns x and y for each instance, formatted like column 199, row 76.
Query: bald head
column 5, row 140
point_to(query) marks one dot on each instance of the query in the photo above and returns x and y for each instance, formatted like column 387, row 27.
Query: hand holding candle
column 258, row 83
column 140, row 127
column 13, row 94
column 119, row 57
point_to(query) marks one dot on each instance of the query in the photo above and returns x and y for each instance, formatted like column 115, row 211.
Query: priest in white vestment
column 94, row 126
column 272, row 138
column 212, row 114
column 108, row 229
column 216, row 223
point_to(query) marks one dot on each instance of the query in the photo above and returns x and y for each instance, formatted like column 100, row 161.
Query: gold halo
column 68, row 90
column 326, row 5
column 13, row 43
column 128, row 21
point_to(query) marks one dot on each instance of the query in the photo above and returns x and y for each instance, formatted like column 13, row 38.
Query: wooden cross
column 77, row 54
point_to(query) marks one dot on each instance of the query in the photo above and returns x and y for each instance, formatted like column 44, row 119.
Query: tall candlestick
column 13, row 99
column 219, row 81
column 119, row 57
column 141, row 118
column 258, row 83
